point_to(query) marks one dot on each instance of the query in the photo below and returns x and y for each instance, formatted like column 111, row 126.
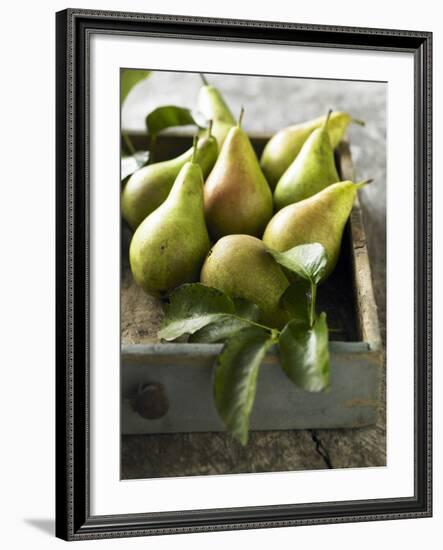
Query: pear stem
column 204, row 80
column 210, row 128
column 361, row 184
column 358, row 121
column 240, row 118
column 194, row 150
column 325, row 123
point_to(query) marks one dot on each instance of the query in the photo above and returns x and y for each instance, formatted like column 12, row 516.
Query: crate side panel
column 279, row 405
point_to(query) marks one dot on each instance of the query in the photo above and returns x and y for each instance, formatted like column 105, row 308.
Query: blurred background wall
column 272, row 103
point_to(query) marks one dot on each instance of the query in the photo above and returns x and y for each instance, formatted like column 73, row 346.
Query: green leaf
column 306, row 260
column 219, row 330
column 168, row 116
column 191, row 307
column 304, row 354
column 246, row 309
column 228, row 325
column 295, row 300
column 128, row 79
column 132, row 163
column 236, row 373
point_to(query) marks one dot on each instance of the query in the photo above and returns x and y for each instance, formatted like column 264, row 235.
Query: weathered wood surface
column 216, row 453
column 141, row 314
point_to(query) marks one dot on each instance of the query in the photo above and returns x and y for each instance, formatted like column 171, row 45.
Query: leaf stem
column 312, row 304
column 152, row 143
column 128, row 142
column 269, row 329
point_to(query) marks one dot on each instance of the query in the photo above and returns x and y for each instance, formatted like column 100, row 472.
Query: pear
column 285, row 145
column 169, row 246
column 241, row 266
column 212, row 105
column 318, row 219
column 312, row 170
column 149, row 187
column 237, row 195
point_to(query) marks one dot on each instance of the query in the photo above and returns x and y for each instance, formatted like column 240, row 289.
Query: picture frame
column 74, row 519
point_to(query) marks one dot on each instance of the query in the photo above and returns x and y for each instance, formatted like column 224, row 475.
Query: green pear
column 285, row 145
column 149, row 187
column 241, row 266
column 318, row 219
column 312, row 170
column 237, row 195
column 169, row 246
column 212, row 105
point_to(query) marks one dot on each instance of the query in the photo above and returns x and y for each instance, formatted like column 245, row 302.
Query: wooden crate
column 179, row 376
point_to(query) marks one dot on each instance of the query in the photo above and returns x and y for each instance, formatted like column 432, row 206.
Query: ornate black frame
column 73, row 518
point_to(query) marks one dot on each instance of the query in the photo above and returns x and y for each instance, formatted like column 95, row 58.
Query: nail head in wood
column 151, row 402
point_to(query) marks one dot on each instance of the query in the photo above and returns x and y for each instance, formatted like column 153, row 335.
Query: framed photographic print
column 243, row 274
